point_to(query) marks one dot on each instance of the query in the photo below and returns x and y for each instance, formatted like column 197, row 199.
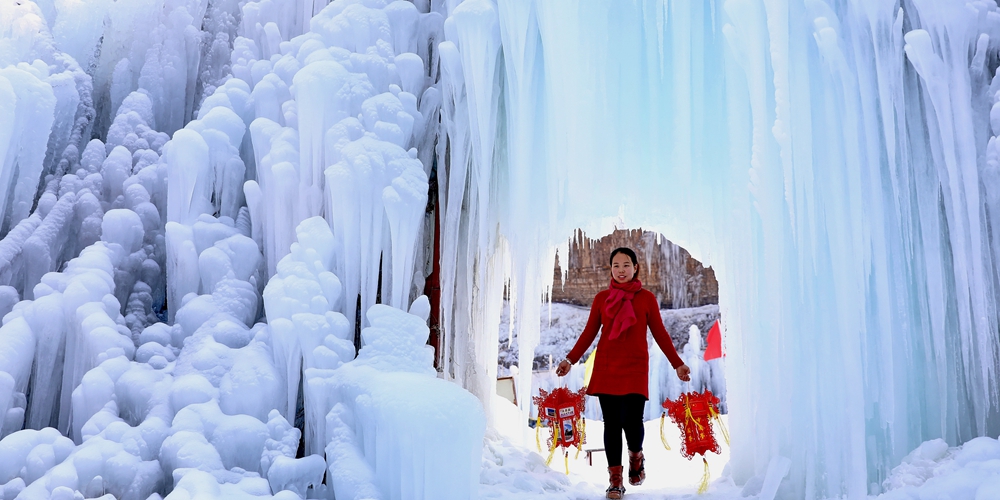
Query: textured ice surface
column 203, row 399
column 832, row 162
column 341, row 130
column 371, row 452
column 46, row 108
column 354, row 407
column 150, row 401
column 835, row 163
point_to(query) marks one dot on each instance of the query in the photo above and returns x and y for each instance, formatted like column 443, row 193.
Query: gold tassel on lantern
column 555, row 444
column 722, row 426
column 704, row 478
column 663, row 438
column 538, row 442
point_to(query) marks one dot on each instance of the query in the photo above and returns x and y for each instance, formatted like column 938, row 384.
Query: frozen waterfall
column 834, row 162
column 217, row 217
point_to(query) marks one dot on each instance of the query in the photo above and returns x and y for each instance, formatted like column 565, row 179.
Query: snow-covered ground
column 934, row 470
column 514, row 469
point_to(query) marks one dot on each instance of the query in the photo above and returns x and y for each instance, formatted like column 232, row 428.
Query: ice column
column 472, row 256
column 205, row 177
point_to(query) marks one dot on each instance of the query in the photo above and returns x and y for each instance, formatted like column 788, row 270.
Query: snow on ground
column 934, row 471
column 518, row 471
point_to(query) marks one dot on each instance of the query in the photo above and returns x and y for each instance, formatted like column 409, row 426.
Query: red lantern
column 562, row 412
column 693, row 412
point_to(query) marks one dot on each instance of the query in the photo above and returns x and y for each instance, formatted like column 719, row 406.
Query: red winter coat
column 621, row 366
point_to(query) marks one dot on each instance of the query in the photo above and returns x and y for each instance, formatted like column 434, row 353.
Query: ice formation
column 832, row 161
column 371, row 416
column 175, row 172
column 342, row 114
column 193, row 225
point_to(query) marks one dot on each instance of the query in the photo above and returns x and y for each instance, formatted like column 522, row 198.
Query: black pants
column 622, row 413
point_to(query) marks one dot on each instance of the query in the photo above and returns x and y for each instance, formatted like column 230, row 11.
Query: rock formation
column 667, row 270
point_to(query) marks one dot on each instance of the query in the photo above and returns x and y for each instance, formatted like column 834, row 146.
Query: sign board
column 506, row 388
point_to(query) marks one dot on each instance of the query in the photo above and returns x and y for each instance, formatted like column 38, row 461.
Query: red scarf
column 619, row 305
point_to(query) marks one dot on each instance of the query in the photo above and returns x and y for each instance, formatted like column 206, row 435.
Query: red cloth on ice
column 714, row 349
column 621, row 365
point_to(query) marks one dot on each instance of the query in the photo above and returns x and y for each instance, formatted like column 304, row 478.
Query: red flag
column 714, row 348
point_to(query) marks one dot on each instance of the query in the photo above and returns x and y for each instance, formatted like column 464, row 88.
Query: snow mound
column 935, row 470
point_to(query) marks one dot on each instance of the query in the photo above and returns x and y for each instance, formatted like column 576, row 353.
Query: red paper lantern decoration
column 562, row 412
column 693, row 412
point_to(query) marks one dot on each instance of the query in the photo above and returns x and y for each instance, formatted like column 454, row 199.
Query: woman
column 620, row 378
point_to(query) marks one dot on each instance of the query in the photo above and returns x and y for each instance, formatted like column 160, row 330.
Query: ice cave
column 219, row 220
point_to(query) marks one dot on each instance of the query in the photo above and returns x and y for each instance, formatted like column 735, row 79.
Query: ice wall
column 46, row 110
column 141, row 225
column 343, row 125
column 100, row 228
column 834, row 163
column 205, row 176
column 432, row 449
column 183, row 409
column 472, row 256
column 177, row 51
column 373, row 417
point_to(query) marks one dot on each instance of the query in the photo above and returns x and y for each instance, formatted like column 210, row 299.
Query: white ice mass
column 217, row 219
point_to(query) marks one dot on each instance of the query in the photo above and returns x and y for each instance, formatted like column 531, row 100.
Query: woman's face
column 622, row 269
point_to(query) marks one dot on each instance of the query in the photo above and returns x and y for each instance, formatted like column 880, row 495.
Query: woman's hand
column 563, row 368
column 684, row 373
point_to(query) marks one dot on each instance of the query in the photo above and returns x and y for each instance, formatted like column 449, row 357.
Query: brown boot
column 636, row 468
column 616, row 490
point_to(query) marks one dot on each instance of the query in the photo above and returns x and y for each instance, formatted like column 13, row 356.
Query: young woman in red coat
column 620, row 378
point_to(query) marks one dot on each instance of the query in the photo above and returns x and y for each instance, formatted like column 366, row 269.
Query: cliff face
column 665, row 269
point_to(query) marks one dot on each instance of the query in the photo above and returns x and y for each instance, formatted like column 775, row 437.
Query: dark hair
column 626, row 251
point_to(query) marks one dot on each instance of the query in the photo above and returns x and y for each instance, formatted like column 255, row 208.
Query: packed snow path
column 834, row 162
